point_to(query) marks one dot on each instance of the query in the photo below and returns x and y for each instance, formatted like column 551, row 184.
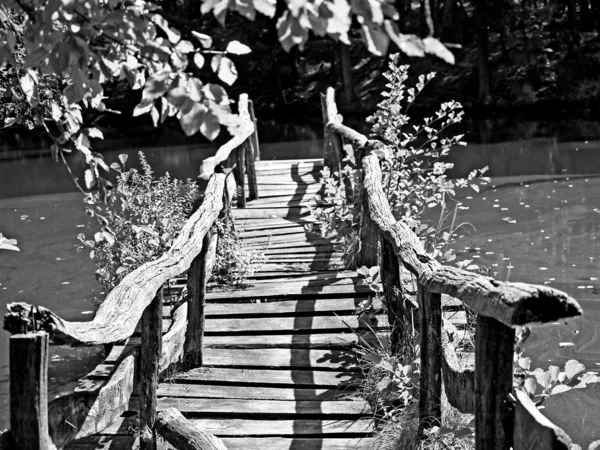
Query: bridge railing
column 37, row 425
column 503, row 418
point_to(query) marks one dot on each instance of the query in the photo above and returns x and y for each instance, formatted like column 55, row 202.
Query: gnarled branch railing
column 138, row 296
column 501, row 306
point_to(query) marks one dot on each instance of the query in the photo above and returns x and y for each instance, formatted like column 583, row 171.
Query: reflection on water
column 539, row 224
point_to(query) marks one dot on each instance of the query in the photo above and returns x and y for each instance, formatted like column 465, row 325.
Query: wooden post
column 251, row 170
column 29, row 391
column 430, row 400
column 150, row 353
column 198, row 276
column 494, row 415
column 240, row 176
column 254, row 137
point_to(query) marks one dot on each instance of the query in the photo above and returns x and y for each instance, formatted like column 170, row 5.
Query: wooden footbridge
column 271, row 364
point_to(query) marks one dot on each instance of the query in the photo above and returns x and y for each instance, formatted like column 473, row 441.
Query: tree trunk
column 481, row 11
column 346, row 69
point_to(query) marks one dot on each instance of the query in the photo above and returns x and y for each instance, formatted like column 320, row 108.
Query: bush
column 140, row 221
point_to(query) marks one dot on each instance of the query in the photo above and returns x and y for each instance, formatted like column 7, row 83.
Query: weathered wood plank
column 254, row 137
column 240, row 174
column 247, row 392
column 511, row 303
column 338, row 360
column 182, row 434
column 288, row 212
column 251, row 170
column 298, row 443
column 532, row 430
column 28, row 360
column 312, row 340
column 120, row 312
column 294, row 290
column 150, row 353
column 267, row 377
column 262, row 408
column 494, row 416
column 288, row 324
column 459, row 379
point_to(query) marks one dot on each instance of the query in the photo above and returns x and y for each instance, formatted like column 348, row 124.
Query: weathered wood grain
column 298, row 443
column 294, row 290
column 459, row 379
column 247, row 392
column 494, row 416
column 150, row 353
column 511, row 303
column 296, row 341
column 182, row 434
column 532, row 430
column 28, row 360
column 251, row 170
column 430, row 396
column 254, row 137
column 240, row 175
column 120, row 312
column 207, row 168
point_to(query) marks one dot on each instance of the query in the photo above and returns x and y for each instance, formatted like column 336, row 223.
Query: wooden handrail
column 122, row 309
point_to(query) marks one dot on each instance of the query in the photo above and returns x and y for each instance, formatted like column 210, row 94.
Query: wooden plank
column 313, row 340
column 309, row 277
column 182, row 434
column 254, row 137
column 312, row 250
column 338, row 360
column 532, row 430
column 304, row 197
column 239, row 170
column 287, row 324
column 293, row 291
column 266, row 377
column 494, row 416
column 29, row 391
column 251, row 170
column 297, row 267
column 242, row 427
column 289, row 212
column 267, row 162
column 248, row 392
column 257, row 409
column 298, row 443
column 288, row 307
column 290, row 284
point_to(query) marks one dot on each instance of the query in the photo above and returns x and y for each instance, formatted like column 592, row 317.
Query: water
column 545, row 181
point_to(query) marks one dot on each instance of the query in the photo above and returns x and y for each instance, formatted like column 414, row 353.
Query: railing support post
column 254, row 136
column 198, row 276
column 29, row 391
column 251, row 170
column 240, row 167
column 430, row 400
column 494, row 416
column 149, row 369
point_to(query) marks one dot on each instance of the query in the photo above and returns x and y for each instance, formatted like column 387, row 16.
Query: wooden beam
column 29, row 391
column 513, row 304
column 150, row 354
column 198, row 276
column 240, row 175
column 494, row 416
column 120, row 313
column 459, row 380
column 430, row 395
column 184, row 435
column 251, row 170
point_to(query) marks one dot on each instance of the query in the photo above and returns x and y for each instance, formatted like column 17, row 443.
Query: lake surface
column 538, row 223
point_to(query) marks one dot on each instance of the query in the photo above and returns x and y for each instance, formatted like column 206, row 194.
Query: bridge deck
column 280, row 363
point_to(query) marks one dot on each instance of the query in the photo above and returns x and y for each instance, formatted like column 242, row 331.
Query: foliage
column 141, row 222
column 8, row 244
column 235, row 261
column 370, row 276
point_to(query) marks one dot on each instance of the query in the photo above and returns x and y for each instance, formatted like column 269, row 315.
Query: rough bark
column 240, row 175
column 183, row 435
column 29, row 391
column 511, row 303
column 459, row 381
column 150, row 354
column 254, row 138
column 494, row 416
column 251, row 170
column 198, row 276
column 430, row 392
column 119, row 314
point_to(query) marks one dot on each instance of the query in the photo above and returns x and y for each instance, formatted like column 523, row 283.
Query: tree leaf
column 560, row 388
column 192, row 116
column 227, row 71
column 90, row 180
column 94, row 133
column 142, row 108
column 155, row 115
column 374, row 36
column 28, row 83
column 123, row 158
column 266, row 7
column 554, row 373
column 198, row 60
column 210, row 127
column 237, row 48
column 530, row 385
column 173, row 35
column 184, row 47
column 525, row 363
column 204, row 39
column 215, row 63
column 434, row 47
column 573, row 368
